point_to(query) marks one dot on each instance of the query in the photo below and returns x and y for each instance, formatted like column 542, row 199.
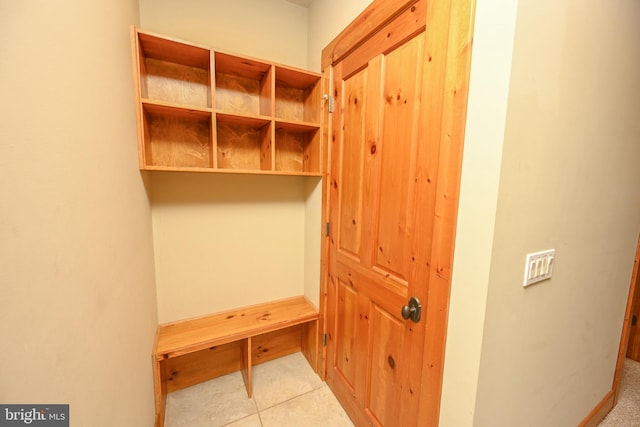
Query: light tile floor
column 286, row 392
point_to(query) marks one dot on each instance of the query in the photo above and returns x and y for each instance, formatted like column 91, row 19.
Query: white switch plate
column 539, row 267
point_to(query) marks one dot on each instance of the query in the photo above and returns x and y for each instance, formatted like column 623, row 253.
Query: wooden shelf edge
column 152, row 103
column 296, row 125
column 296, row 77
column 169, row 38
column 258, row 120
column 289, row 69
column 228, row 171
column 252, row 120
column 173, row 51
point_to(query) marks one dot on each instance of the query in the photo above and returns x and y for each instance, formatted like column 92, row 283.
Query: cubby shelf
column 208, row 111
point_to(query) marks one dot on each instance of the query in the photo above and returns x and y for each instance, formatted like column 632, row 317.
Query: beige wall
column 569, row 181
column 77, row 298
column 270, row 29
column 225, row 241
column 313, row 232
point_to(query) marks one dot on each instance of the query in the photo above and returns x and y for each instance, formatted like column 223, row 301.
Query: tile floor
column 286, row 392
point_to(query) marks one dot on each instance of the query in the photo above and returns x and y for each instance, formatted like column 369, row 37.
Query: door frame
column 611, row 398
column 624, row 339
column 452, row 21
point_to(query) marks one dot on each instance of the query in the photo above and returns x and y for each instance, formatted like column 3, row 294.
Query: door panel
column 350, row 204
column 394, row 198
column 347, row 356
column 386, row 378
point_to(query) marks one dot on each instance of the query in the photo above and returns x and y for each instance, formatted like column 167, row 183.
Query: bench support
column 246, row 366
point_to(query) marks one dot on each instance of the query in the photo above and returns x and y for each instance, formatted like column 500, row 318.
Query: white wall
column 77, row 296
column 569, row 181
column 269, row 29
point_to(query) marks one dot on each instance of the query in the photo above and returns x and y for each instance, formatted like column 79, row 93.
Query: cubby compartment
column 174, row 72
column 243, row 85
column 210, row 111
column 176, row 138
column 297, row 148
column 244, row 143
column 297, row 95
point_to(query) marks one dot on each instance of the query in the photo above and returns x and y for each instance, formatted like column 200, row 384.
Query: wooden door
column 396, row 138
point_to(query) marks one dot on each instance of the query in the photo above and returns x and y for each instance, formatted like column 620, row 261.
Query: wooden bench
column 190, row 351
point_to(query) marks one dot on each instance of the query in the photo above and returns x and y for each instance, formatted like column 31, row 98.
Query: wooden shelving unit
column 200, row 110
column 209, row 111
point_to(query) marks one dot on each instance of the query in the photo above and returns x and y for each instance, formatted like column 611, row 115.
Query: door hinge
column 328, row 98
column 324, row 339
column 327, row 228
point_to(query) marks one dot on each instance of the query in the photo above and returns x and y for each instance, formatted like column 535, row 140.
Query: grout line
column 291, row 398
column 243, row 418
column 255, row 404
column 257, row 409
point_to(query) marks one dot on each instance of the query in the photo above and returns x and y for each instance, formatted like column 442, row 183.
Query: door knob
column 412, row 310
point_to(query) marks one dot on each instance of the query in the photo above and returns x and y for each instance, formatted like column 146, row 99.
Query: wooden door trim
column 325, row 129
column 458, row 17
column 600, row 411
column 624, row 340
column 372, row 19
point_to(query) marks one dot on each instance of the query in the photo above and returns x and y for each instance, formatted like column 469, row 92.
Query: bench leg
column 309, row 343
column 246, row 365
column 159, row 392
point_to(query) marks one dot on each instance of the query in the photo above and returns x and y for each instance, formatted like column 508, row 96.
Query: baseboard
column 600, row 411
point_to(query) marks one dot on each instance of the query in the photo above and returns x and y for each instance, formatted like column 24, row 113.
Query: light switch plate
column 539, row 266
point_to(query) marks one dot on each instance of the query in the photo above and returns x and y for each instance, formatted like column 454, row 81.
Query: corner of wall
column 484, row 136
